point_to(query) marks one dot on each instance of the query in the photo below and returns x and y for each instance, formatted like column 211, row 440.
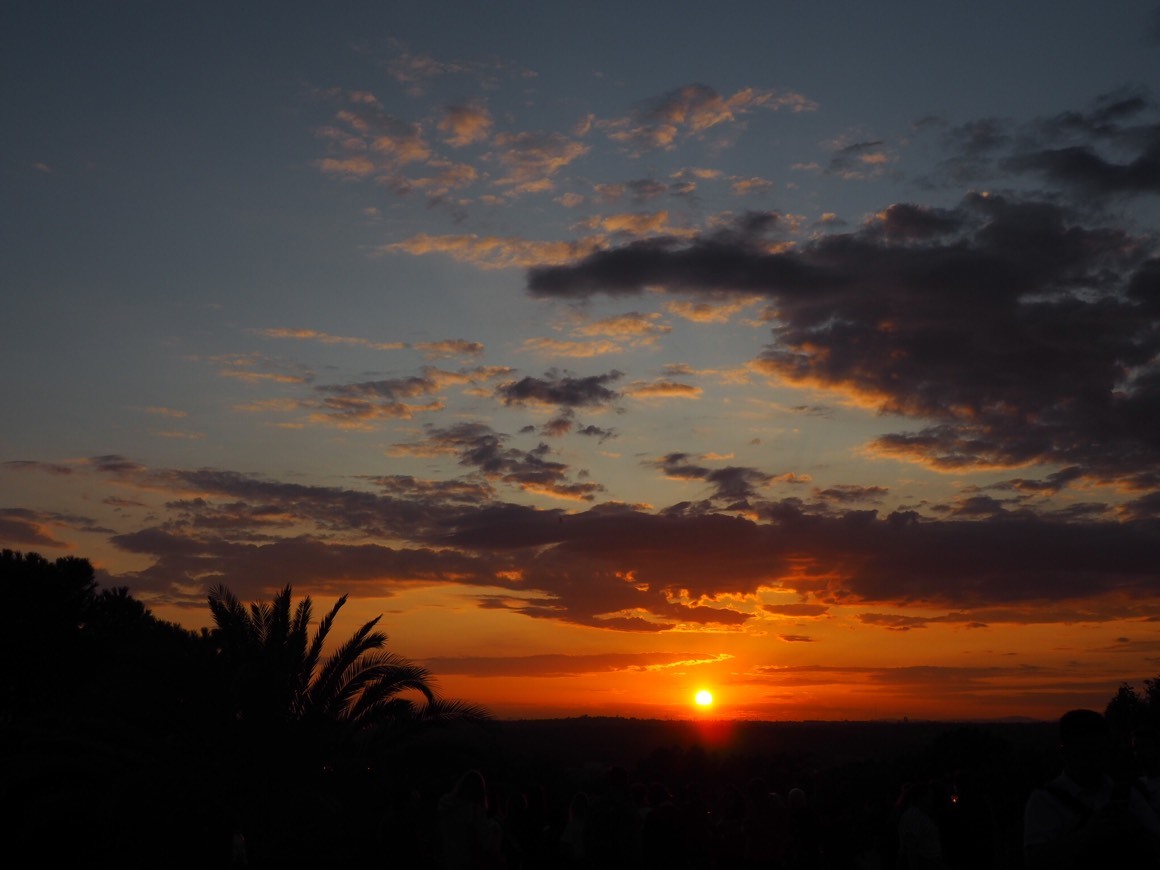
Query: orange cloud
column 464, row 125
column 326, row 338
column 494, row 252
column 574, row 349
column 663, row 390
column 531, row 159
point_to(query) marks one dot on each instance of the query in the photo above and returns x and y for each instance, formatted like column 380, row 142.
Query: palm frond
column 444, row 710
column 392, row 711
column 302, row 616
column 260, row 615
column 360, row 691
column 278, row 621
column 238, row 633
column 315, row 651
column 376, row 677
column 329, row 680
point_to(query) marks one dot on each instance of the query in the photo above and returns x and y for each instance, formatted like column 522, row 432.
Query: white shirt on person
column 1049, row 816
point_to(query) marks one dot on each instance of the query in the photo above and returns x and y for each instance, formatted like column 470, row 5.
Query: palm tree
column 359, row 690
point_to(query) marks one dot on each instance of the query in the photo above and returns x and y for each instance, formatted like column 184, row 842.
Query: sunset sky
column 807, row 353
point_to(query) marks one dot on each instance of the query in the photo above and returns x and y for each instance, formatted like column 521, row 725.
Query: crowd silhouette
column 131, row 742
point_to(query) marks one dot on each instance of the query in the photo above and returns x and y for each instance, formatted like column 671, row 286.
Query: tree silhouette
column 1130, row 708
column 280, row 678
column 39, row 648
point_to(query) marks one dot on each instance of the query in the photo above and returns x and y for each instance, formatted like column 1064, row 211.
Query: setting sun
column 704, row 698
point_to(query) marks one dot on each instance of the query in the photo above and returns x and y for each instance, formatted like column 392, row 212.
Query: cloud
column 1111, row 149
column 617, row 566
column 55, row 468
column 561, row 390
column 558, row 665
column 493, row 252
column 327, row 338
column 465, row 124
column 859, row 160
column 416, row 69
column 851, row 494
column 555, row 347
column 753, row 186
column 354, row 404
column 367, row 142
column 629, row 225
column 732, row 484
column 25, row 528
column 646, row 189
column 1021, row 333
column 30, row 528
column 531, row 159
column 258, row 368
column 796, row 610
column 662, row 389
column 479, row 446
column 692, row 110
column 641, row 328
column 449, row 347
column 709, row 312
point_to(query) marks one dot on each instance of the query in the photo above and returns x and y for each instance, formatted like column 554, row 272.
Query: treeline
column 1135, row 710
column 72, row 651
column 131, row 739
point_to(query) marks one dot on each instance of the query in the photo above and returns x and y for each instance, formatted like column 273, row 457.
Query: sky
column 807, row 353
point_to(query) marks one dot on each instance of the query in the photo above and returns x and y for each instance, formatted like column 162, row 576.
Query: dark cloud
column 559, row 425
column 562, row 390
column 1083, row 167
column 1024, row 335
column 854, row 557
column 732, row 484
column 751, row 226
column 443, row 491
column 597, row 432
column 370, row 399
column 859, row 160
column 29, row 527
column 1145, row 507
column 624, row 567
column 115, row 464
column 1109, row 149
column 850, row 494
column 42, row 467
column 252, row 570
column 25, row 528
column 646, row 189
column 1053, row 483
column 479, row 446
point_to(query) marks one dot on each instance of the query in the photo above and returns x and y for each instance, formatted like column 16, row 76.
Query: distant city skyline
column 806, row 354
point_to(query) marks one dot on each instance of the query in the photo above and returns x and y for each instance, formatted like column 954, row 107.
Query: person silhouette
column 919, row 837
column 470, row 838
column 1084, row 817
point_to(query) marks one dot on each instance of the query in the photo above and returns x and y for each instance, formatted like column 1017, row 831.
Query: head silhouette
column 472, row 788
column 1085, row 742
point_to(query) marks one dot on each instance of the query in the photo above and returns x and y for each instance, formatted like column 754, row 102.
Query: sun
column 704, row 698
